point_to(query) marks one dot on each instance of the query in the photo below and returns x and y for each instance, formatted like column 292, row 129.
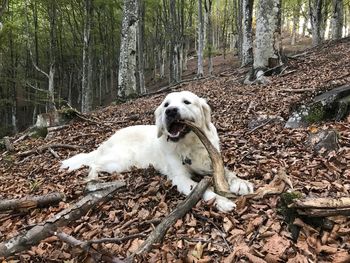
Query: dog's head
column 179, row 106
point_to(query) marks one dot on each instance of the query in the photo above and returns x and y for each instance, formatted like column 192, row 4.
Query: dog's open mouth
column 177, row 129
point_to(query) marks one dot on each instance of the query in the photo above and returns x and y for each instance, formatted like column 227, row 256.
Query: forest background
column 91, row 53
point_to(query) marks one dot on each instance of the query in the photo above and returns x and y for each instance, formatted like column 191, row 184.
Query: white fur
column 144, row 145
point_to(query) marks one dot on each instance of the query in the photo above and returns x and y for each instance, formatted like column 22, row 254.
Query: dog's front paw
column 224, row 204
column 241, row 187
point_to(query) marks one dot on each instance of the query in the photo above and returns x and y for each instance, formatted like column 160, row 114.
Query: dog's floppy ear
column 159, row 123
column 206, row 112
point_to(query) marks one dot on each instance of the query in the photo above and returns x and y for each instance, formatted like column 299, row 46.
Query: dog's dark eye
column 187, row 102
column 166, row 104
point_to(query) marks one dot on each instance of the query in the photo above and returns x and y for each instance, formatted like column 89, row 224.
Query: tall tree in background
column 86, row 83
column 175, row 43
column 140, row 48
column 208, row 9
column 337, row 19
column 316, row 16
column 200, row 25
column 247, row 35
column 295, row 19
column 127, row 85
column 268, row 50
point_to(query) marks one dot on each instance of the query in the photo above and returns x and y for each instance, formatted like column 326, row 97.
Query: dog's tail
column 78, row 161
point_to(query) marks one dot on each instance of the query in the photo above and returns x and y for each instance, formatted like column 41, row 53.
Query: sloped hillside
column 256, row 231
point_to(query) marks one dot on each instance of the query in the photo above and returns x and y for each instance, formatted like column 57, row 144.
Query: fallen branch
column 159, row 232
column 297, row 90
column 324, row 212
column 54, row 153
column 31, row 202
column 259, row 126
column 323, row 202
column 43, row 230
column 220, row 184
column 98, row 256
column 45, row 147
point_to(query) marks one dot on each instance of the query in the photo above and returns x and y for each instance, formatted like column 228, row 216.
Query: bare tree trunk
column 296, row 16
column 208, row 8
column 127, row 59
column 268, row 51
column 200, row 72
column 140, row 55
column 247, row 37
column 337, row 19
column 87, row 89
column 315, row 9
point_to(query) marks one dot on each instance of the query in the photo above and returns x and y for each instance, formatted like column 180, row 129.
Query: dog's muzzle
column 175, row 128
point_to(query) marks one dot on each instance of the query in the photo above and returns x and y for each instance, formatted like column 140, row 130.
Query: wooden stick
column 31, row 202
column 45, row 147
column 159, row 232
column 220, row 184
column 43, row 230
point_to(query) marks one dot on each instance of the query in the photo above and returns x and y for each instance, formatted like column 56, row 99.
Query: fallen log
column 323, row 202
column 316, row 212
column 31, row 202
column 220, row 183
column 45, row 229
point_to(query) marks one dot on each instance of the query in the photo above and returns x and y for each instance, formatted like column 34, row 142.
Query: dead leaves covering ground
column 255, row 232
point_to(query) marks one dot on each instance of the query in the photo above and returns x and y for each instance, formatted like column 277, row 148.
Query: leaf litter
column 273, row 158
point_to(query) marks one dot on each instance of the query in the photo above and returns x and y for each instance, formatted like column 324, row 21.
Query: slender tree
column 200, row 24
column 208, row 9
column 337, row 18
column 87, row 89
column 247, row 35
column 127, row 85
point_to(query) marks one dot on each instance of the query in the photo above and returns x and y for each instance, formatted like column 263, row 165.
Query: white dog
column 169, row 146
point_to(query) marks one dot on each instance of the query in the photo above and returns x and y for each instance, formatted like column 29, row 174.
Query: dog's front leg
column 237, row 185
column 185, row 185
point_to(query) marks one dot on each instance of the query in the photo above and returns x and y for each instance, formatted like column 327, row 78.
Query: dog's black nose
column 171, row 112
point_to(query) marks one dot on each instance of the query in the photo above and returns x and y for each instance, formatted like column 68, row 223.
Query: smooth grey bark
column 296, row 17
column 87, row 89
column 315, row 9
column 268, row 50
column 247, row 36
column 200, row 24
column 127, row 59
column 140, row 48
column 208, row 8
column 337, row 19
column 175, row 44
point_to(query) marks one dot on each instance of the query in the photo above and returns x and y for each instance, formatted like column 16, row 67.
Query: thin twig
column 45, row 147
column 259, row 126
column 53, row 153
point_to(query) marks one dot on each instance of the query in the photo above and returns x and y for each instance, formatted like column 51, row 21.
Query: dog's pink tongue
column 176, row 128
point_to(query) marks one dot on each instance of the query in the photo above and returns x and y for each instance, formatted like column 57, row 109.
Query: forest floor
column 256, row 231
